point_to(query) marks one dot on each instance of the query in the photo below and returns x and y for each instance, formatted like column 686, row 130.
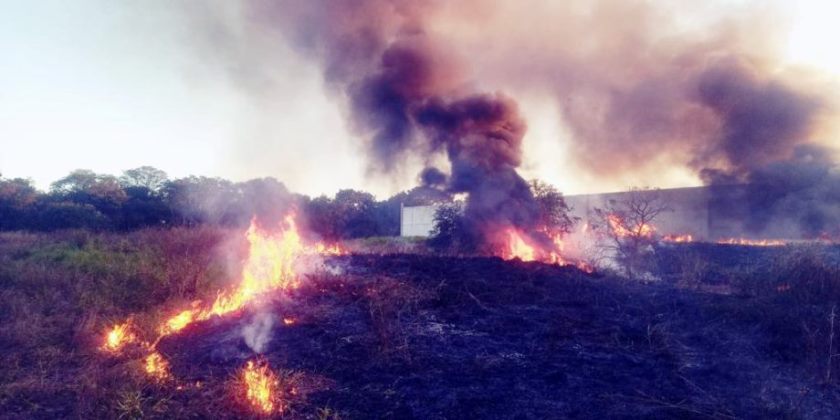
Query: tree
column 553, row 210
column 195, row 200
column 355, row 211
column 628, row 226
column 16, row 199
column 451, row 232
column 85, row 187
column 321, row 217
column 147, row 177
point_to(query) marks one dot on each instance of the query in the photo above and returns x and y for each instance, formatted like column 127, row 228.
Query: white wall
column 417, row 221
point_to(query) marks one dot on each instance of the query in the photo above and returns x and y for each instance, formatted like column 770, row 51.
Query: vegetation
column 387, row 334
column 453, row 234
column 628, row 227
column 146, row 197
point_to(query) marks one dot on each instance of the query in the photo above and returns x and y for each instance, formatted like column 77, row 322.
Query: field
column 728, row 332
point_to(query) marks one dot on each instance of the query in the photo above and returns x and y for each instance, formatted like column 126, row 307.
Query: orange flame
column 260, row 386
column 118, row 336
column 156, row 366
column 685, row 238
column 515, row 246
column 752, row 242
column 269, row 267
column 620, row 228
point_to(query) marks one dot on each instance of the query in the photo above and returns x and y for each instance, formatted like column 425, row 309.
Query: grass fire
column 420, row 210
column 260, row 385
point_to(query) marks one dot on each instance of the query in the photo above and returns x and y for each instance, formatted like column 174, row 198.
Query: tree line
column 146, row 196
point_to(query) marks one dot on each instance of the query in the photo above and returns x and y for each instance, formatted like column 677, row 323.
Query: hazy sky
column 108, row 86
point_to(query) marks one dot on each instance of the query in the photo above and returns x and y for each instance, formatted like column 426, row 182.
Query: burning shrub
column 628, row 227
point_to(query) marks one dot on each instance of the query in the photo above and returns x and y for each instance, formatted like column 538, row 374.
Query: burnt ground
column 410, row 336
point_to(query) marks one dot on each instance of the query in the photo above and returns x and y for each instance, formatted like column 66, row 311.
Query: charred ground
column 410, row 336
column 429, row 337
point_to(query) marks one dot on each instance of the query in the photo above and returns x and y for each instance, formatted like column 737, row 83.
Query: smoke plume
column 408, row 93
column 257, row 333
column 639, row 85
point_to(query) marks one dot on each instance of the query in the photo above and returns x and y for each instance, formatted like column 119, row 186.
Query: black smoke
column 432, row 177
column 407, row 94
column 634, row 87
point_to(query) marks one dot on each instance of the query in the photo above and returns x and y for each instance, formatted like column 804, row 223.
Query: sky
column 109, row 86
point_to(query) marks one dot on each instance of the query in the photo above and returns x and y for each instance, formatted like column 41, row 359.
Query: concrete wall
column 707, row 213
column 689, row 209
column 417, row 220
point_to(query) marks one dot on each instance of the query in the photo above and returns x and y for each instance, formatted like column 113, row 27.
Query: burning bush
column 629, row 230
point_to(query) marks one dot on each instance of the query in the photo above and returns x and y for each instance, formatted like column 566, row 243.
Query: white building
column 417, row 220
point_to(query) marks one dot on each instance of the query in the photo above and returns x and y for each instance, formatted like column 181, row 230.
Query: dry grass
column 60, row 291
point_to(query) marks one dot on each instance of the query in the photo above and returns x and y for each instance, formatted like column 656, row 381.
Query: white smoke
column 257, row 333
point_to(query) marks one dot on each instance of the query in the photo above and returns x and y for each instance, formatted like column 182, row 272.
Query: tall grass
column 59, row 291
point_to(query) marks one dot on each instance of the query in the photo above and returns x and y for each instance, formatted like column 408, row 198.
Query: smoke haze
column 638, row 85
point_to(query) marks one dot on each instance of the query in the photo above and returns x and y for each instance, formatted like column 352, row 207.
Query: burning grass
column 260, row 386
column 414, row 336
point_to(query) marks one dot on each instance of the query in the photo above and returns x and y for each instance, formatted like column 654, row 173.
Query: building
column 417, row 220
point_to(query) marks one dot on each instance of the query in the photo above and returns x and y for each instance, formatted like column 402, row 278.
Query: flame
column 330, row 249
column 620, row 228
column 118, row 336
column 516, row 247
column 178, row 322
column 156, row 366
column 270, row 266
column 260, row 385
column 752, row 242
column 684, row 238
column 288, row 321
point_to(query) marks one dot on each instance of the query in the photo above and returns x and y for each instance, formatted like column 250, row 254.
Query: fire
column 261, row 386
column 270, row 267
column 620, row 228
column 118, row 336
column 178, row 322
column 752, row 242
column 517, row 247
column 330, row 249
column 156, row 366
column 678, row 238
column 288, row 321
